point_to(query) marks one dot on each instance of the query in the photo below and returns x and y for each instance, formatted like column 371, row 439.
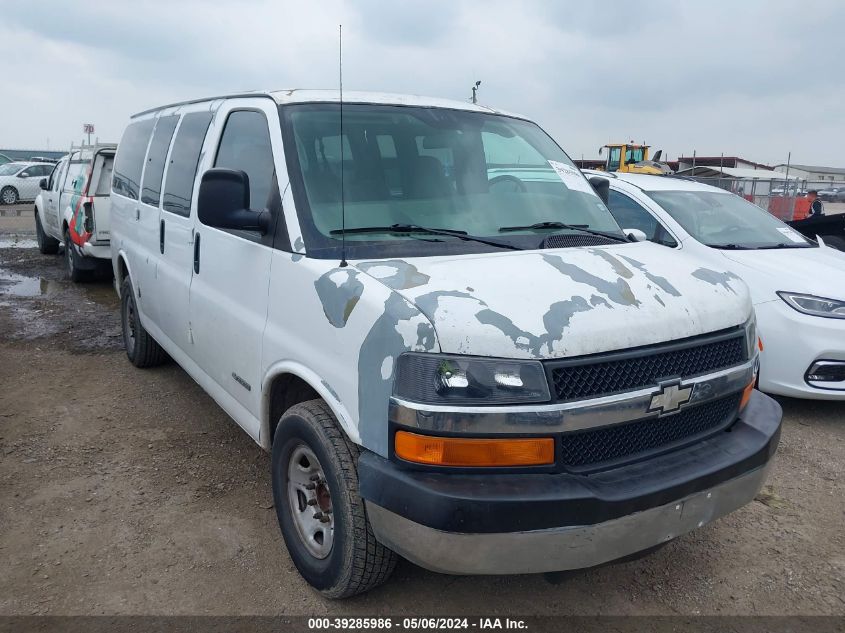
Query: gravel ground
column 125, row 491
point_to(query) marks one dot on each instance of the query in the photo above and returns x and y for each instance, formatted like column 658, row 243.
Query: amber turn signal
column 746, row 393
column 459, row 451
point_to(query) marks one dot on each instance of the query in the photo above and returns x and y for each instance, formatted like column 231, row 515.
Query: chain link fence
column 785, row 200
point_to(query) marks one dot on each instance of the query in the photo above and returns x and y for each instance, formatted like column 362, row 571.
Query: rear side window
column 77, row 173
column 245, row 146
column 184, row 158
column 130, row 158
column 151, row 188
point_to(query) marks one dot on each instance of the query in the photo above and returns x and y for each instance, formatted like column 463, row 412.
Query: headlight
column 751, row 336
column 444, row 379
column 816, row 306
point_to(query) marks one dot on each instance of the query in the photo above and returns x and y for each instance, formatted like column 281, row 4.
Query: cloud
column 757, row 78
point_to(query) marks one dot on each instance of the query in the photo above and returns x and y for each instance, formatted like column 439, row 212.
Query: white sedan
column 797, row 285
column 19, row 181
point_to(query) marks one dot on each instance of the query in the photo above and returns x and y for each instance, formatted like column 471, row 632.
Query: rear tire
column 74, row 273
column 141, row 348
column 834, row 241
column 46, row 245
column 310, row 448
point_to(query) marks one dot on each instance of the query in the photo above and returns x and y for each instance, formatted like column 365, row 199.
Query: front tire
column 321, row 514
column 9, row 195
column 46, row 245
column 141, row 348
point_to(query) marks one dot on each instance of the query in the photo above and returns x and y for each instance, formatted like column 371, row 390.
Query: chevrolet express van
column 431, row 319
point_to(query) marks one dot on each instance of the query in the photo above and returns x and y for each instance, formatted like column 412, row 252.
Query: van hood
column 565, row 302
column 815, row 271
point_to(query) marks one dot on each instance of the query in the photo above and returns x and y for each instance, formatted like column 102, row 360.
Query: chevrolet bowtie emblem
column 670, row 398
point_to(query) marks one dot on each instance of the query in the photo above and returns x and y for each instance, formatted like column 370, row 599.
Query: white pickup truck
column 73, row 208
column 432, row 320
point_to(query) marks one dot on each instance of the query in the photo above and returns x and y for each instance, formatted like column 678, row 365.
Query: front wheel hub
column 310, row 502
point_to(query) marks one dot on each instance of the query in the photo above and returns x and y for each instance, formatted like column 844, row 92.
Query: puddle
column 12, row 284
column 15, row 285
column 14, row 241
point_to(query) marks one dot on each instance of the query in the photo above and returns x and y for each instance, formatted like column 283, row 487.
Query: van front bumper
column 530, row 523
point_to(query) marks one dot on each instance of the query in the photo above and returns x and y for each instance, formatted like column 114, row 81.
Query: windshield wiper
column 731, row 247
column 774, row 246
column 739, row 247
column 414, row 228
column 561, row 225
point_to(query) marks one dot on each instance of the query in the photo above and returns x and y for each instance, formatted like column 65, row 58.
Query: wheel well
column 121, row 271
column 286, row 391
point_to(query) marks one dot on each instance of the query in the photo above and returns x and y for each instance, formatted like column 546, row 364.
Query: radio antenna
column 343, row 262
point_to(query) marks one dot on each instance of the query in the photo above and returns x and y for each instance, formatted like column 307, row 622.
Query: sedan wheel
column 9, row 195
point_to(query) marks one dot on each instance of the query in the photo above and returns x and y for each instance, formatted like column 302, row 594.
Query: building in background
column 814, row 173
column 29, row 154
column 733, row 162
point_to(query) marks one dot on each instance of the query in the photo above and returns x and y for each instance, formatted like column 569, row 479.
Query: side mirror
column 602, row 187
column 635, row 235
column 223, row 202
column 43, row 184
column 23, row 174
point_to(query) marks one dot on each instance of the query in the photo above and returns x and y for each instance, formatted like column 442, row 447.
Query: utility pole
column 474, row 91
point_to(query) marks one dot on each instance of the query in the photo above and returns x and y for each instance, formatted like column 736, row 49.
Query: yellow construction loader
column 633, row 158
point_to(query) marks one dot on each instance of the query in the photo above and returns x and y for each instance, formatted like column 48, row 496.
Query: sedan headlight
column 469, row 380
column 816, row 306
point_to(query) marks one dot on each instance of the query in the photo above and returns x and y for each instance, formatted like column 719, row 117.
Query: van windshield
column 482, row 175
column 726, row 221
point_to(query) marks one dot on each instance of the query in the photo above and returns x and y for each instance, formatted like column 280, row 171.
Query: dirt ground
column 125, row 491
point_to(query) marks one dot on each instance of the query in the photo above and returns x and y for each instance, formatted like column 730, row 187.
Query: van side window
column 151, row 188
column 184, row 158
column 130, row 158
column 631, row 215
column 245, row 146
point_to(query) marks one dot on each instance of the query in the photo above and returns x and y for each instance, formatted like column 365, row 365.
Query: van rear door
column 99, row 189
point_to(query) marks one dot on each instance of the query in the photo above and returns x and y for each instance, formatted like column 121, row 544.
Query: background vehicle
column 73, row 208
column 4, row 159
column 833, row 194
column 633, row 158
column 798, row 288
column 830, row 227
column 438, row 366
column 19, row 180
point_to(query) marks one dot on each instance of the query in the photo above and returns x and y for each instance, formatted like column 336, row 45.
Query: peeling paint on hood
column 565, row 302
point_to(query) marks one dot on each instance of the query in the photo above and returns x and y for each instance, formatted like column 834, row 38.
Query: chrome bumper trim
column 564, row 416
column 559, row 549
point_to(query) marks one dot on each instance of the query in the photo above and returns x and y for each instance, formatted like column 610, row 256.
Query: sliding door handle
column 197, row 254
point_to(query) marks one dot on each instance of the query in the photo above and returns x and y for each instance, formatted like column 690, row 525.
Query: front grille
column 569, row 240
column 590, row 378
column 605, row 445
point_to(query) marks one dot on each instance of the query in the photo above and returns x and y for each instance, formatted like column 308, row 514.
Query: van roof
column 299, row 95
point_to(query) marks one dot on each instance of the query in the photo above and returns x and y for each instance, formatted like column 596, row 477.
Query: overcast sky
column 755, row 78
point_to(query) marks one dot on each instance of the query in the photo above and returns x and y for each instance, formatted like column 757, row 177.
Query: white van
column 73, row 208
column 473, row 369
